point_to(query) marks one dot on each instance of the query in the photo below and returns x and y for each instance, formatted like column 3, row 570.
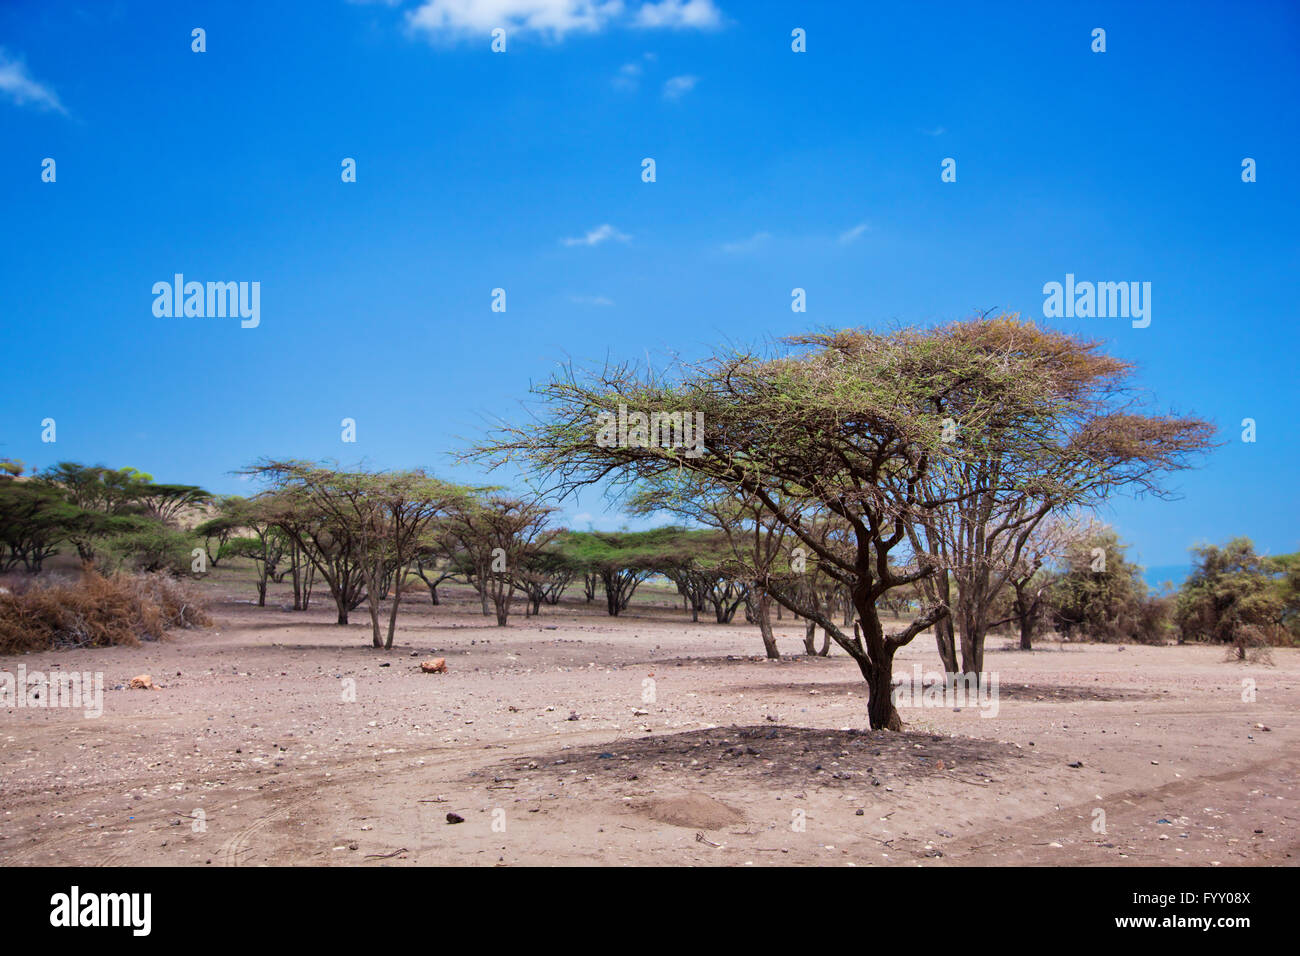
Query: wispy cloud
column 937, row 131
column 628, row 76
column 679, row 15
column 679, row 86
column 595, row 237
column 555, row 19
column 848, row 235
column 598, row 300
column 756, row 241
column 18, row 85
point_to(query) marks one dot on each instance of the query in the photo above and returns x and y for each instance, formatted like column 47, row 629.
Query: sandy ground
column 574, row 738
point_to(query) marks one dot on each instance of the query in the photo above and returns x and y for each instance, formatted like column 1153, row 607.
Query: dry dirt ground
column 574, row 738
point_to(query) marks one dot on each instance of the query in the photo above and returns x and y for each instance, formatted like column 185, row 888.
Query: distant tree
column 1031, row 578
column 33, row 521
column 217, row 530
column 500, row 535
column 168, row 502
column 153, row 546
column 105, row 502
column 360, row 529
column 1235, row 596
column 266, row 543
column 1100, row 594
column 543, row 575
column 621, row 560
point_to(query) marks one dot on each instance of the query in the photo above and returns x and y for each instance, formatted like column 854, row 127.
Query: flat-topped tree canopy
column 864, row 425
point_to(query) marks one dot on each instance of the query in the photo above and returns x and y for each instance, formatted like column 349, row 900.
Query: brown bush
column 97, row 611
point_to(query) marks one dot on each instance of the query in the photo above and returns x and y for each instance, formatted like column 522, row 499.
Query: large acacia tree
column 852, row 421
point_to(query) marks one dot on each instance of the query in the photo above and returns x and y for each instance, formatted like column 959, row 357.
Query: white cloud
column 22, row 89
column 553, row 17
column 937, row 131
column 556, row 18
column 598, row 235
column 591, row 300
column 679, row 86
column 850, row 234
column 679, row 14
column 756, row 241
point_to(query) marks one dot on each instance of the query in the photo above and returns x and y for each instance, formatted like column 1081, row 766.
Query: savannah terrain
column 576, row 738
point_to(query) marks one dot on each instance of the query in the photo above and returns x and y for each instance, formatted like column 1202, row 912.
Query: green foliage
column 33, row 521
column 1236, row 596
column 152, row 546
column 1107, row 604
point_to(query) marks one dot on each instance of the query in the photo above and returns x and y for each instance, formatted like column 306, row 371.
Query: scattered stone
column 436, row 665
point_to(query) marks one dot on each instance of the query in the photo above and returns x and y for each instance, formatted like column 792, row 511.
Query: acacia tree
column 220, row 526
column 33, row 521
column 438, row 558
column 757, row 548
column 328, row 543
column 360, row 529
column 265, row 544
column 1236, row 596
column 1035, row 423
column 843, row 421
column 408, row 502
column 103, row 502
column 499, row 535
column 621, row 560
column 167, row 503
column 1100, row 593
column 543, row 575
column 1031, row 578
column 851, row 421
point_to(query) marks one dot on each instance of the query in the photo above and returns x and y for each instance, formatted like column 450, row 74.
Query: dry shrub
column 97, row 611
column 1250, row 645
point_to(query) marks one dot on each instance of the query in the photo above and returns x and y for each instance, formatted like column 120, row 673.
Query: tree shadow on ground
column 769, row 755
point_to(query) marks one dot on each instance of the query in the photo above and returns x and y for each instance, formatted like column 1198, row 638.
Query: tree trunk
column 372, row 605
column 947, row 643
column 879, row 675
column 874, row 654
column 392, row 615
column 972, row 651
column 810, row 637
column 295, row 570
column 764, row 614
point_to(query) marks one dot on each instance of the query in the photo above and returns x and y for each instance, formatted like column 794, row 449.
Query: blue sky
column 775, row 170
